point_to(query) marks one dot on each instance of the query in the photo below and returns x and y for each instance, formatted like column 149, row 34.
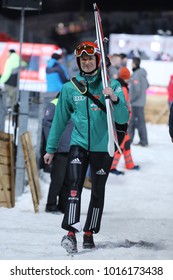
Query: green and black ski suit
column 89, row 142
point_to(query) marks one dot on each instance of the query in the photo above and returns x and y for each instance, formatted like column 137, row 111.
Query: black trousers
column 100, row 163
column 57, row 187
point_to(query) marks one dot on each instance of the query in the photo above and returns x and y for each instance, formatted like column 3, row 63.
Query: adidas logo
column 76, row 161
column 101, row 172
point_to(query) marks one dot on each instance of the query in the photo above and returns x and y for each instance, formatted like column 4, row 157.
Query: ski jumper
column 88, row 146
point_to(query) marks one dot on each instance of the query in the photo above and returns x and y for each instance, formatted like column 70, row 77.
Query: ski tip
column 95, row 7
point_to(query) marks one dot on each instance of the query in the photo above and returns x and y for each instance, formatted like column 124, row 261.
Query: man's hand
column 109, row 91
column 48, row 158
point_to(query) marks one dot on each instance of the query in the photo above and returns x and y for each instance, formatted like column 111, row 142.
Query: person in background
column 117, row 61
column 56, row 75
column 9, row 78
column 115, row 66
column 124, row 76
column 170, row 91
column 89, row 143
column 57, row 194
column 72, row 69
column 124, row 59
column 138, row 85
column 88, row 181
column 171, row 122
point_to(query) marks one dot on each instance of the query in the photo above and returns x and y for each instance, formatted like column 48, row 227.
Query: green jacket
column 11, row 67
column 90, row 122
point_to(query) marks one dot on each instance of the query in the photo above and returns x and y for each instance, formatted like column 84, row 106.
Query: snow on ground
column 137, row 221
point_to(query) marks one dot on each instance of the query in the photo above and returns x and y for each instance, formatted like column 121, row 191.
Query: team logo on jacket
column 97, row 96
column 78, row 98
column 73, row 193
column 94, row 107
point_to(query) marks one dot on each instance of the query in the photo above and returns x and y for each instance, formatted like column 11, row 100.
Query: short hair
column 123, row 55
column 12, row 51
column 136, row 61
column 56, row 56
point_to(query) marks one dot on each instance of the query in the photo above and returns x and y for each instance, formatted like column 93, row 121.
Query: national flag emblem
column 73, row 193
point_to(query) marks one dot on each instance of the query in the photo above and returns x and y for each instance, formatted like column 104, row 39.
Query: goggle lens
column 90, row 50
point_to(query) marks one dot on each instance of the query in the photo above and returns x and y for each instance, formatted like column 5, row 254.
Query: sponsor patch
column 73, row 193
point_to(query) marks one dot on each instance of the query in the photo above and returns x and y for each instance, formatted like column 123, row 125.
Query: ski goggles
column 90, row 50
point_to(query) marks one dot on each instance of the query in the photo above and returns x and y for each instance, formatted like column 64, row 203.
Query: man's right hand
column 48, row 158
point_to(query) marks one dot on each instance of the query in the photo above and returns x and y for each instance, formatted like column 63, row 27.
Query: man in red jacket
column 171, row 122
column 170, row 91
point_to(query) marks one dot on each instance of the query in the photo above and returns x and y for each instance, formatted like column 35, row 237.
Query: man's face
column 115, row 60
column 87, row 63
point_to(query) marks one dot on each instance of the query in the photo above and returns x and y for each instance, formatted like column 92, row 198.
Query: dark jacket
column 171, row 122
column 64, row 144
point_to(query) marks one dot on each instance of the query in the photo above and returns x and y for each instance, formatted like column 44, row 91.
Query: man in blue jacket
column 56, row 75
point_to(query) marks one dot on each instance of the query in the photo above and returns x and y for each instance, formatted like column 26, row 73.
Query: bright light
column 155, row 46
column 121, row 43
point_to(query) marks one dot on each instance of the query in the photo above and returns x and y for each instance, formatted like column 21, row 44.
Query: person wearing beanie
column 89, row 142
column 124, row 76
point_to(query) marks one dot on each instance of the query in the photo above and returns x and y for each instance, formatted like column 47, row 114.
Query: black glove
column 108, row 62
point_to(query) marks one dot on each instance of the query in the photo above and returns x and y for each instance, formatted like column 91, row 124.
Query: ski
column 112, row 134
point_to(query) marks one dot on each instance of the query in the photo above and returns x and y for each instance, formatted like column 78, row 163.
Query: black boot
column 116, row 172
column 88, row 242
